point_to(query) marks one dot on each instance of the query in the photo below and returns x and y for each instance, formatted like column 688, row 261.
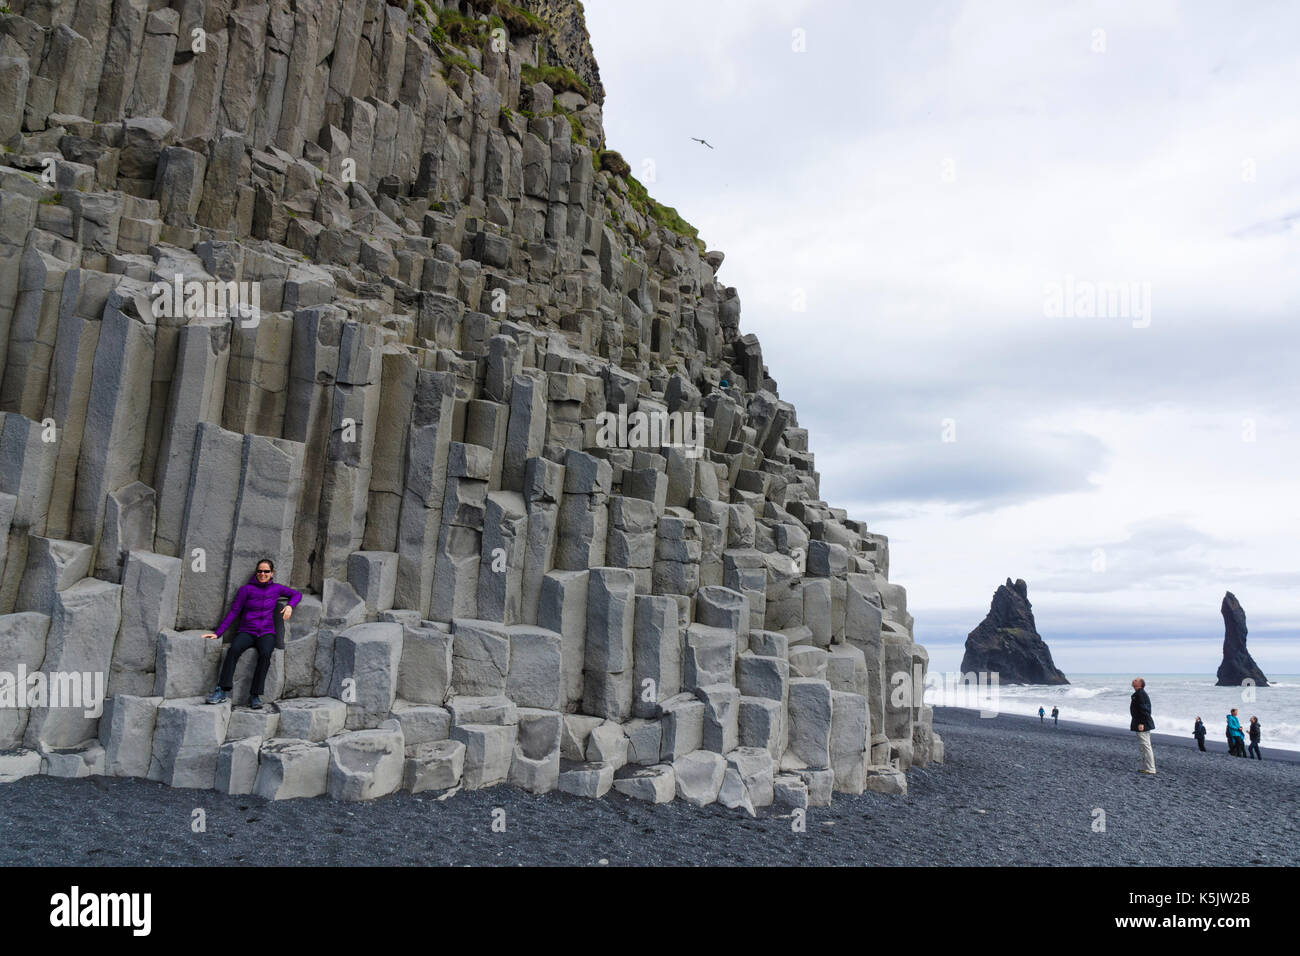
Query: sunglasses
column 264, row 571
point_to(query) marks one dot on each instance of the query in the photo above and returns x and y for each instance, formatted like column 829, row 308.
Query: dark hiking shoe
column 255, row 702
column 218, row 696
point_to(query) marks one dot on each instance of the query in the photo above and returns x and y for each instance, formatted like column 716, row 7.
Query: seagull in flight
column 701, row 141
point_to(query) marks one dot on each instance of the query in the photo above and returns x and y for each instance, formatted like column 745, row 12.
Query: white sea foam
column 1177, row 699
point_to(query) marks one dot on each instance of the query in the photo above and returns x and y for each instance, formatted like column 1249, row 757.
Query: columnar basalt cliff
column 567, row 42
column 1007, row 641
column 1237, row 666
column 350, row 285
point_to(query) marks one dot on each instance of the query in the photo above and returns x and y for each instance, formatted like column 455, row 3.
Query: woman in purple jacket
column 254, row 608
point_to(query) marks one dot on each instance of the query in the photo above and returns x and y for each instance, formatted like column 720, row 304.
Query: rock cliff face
column 568, row 42
column 1237, row 666
column 1007, row 641
column 331, row 283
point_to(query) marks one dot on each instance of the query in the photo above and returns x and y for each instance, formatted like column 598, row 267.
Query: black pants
column 265, row 644
column 1200, row 742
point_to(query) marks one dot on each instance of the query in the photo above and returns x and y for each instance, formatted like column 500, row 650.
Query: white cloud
column 1169, row 159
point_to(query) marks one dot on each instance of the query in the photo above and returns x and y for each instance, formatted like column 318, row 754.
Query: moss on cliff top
column 612, row 161
column 520, row 21
column 452, row 26
column 567, row 43
column 655, row 211
column 559, row 78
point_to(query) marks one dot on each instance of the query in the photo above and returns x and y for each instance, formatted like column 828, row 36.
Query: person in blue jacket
column 1041, row 714
column 1236, row 739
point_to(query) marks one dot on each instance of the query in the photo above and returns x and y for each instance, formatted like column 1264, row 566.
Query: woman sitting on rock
column 254, row 607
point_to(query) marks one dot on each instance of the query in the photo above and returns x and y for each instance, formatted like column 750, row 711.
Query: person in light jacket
column 1139, row 708
column 254, row 608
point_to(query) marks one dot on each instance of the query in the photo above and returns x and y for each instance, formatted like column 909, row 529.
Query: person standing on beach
column 1254, row 738
column 1199, row 733
column 1041, row 714
column 1236, row 739
column 1139, row 708
column 1056, row 716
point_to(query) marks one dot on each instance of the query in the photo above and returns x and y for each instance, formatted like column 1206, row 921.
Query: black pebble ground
column 1011, row 792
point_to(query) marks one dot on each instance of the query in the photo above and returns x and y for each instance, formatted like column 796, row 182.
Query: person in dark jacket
column 1056, row 716
column 1254, row 738
column 254, row 608
column 1199, row 733
column 1139, row 708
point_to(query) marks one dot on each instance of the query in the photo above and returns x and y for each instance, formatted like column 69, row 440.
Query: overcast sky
column 930, row 182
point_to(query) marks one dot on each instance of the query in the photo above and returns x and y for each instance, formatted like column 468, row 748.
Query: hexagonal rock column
column 186, row 738
column 366, row 662
column 365, row 764
column 607, row 663
column 290, row 768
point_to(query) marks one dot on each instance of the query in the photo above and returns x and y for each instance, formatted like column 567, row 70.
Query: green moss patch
column 559, row 78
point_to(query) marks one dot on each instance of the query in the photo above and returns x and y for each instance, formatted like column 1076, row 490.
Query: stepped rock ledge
column 351, row 285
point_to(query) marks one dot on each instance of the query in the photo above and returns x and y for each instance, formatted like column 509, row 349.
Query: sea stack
column 1238, row 666
column 1007, row 642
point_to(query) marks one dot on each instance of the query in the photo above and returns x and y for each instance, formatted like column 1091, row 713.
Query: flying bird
column 701, row 141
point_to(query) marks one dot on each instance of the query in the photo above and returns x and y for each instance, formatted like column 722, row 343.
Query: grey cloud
column 1159, row 553
column 1269, row 227
column 984, row 469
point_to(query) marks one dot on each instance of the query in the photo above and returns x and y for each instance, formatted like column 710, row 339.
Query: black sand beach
column 1011, row 792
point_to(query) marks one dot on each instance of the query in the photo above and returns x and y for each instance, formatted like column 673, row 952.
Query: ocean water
column 1176, row 700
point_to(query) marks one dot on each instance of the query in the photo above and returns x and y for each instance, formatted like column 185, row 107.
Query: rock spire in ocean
column 1007, row 641
column 1237, row 666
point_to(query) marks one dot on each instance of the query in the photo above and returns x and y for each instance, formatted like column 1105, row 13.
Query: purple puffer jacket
column 254, row 606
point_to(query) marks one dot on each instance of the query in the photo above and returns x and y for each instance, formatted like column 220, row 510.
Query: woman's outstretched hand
column 211, row 637
column 288, row 612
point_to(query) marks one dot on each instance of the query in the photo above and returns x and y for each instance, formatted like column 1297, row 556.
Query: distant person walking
column 1236, row 739
column 1139, row 708
column 1199, row 733
column 1254, row 738
column 1041, row 714
column 1056, row 716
